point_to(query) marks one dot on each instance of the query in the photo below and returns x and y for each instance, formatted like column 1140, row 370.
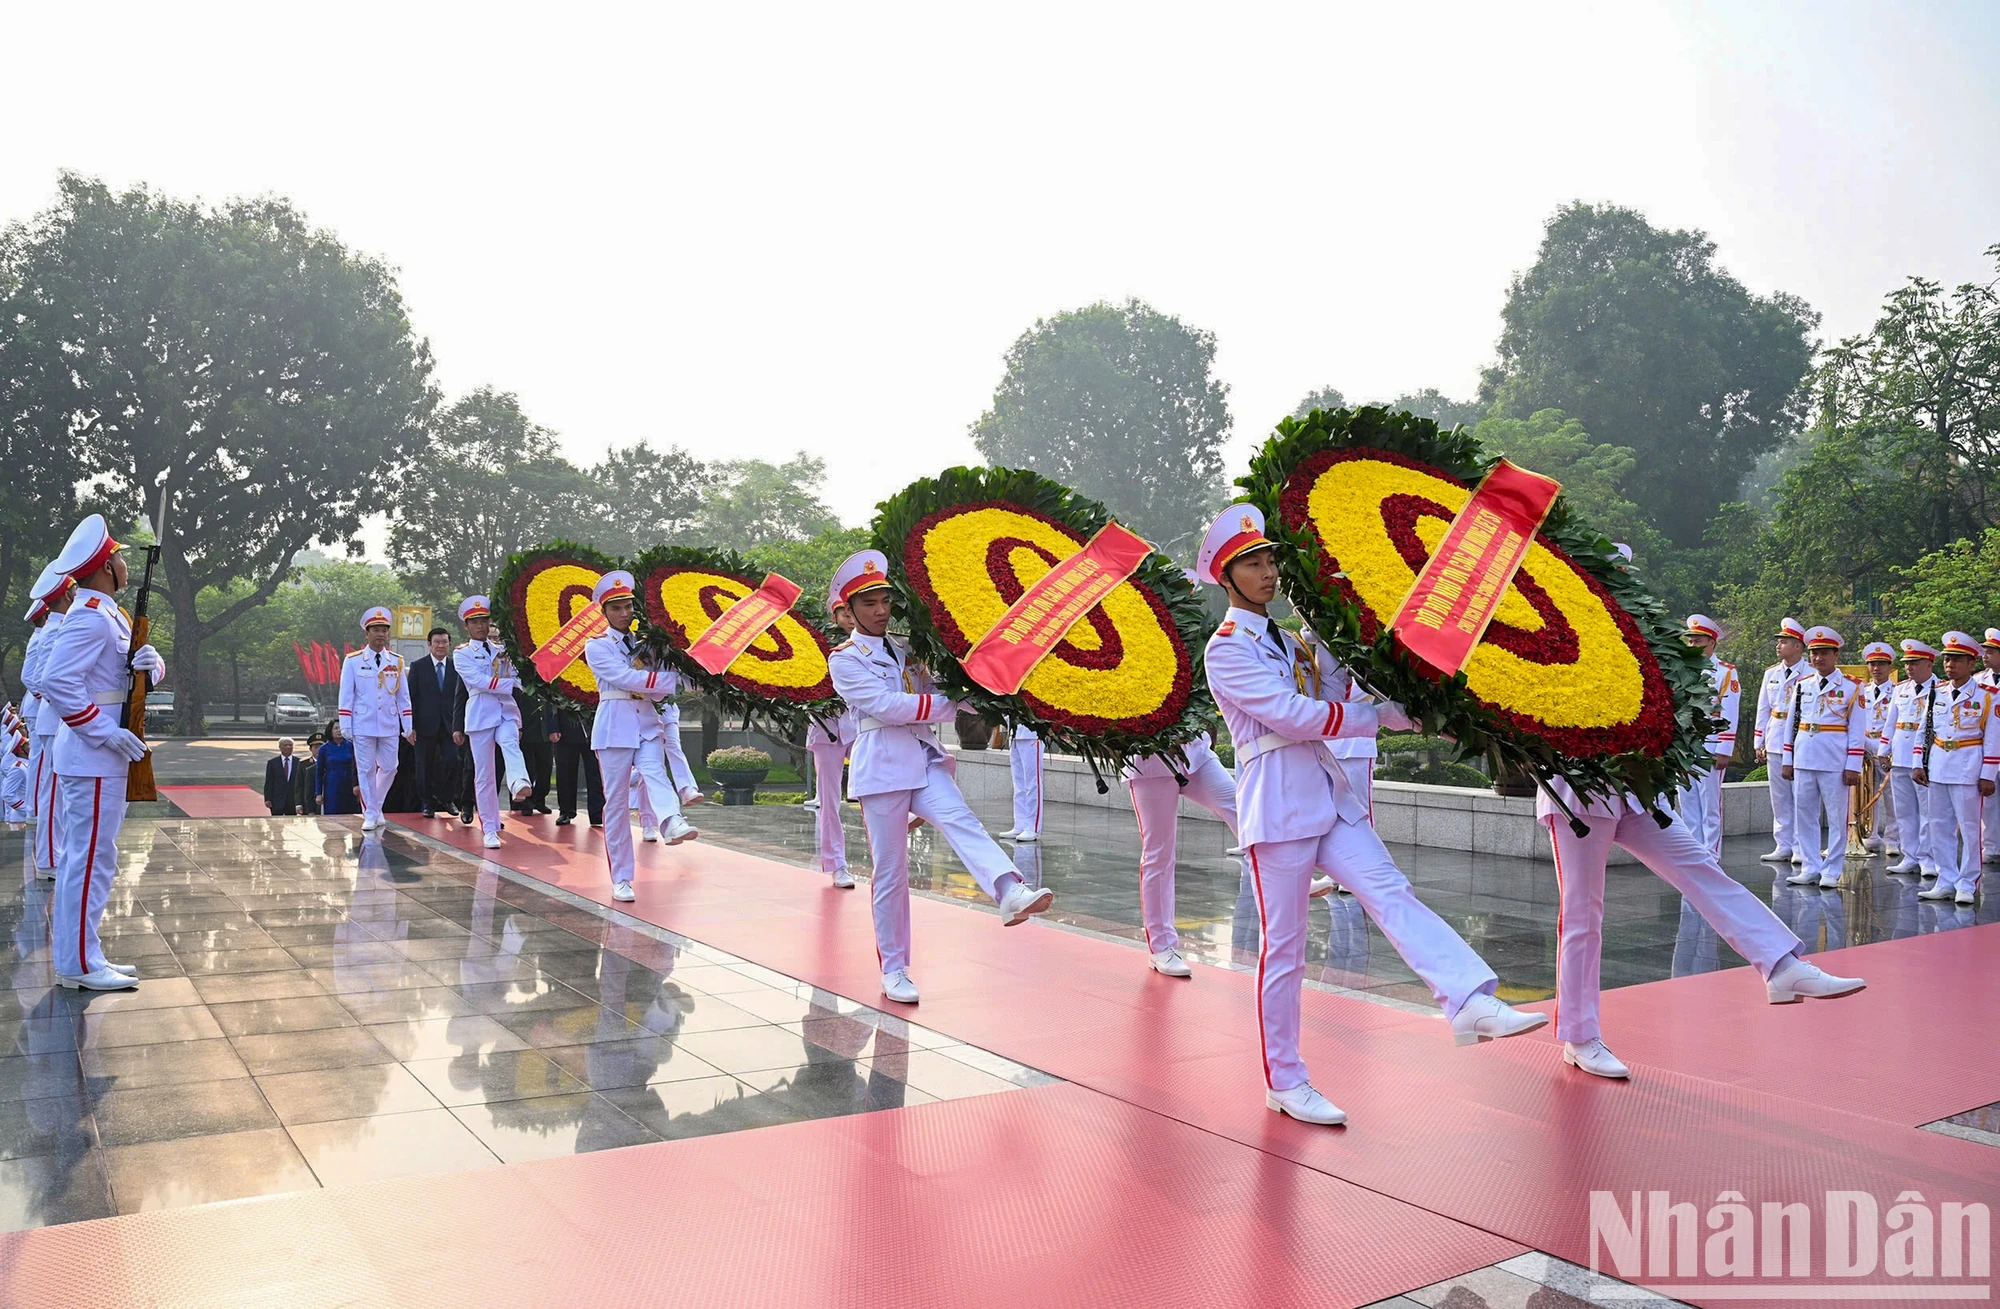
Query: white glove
column 147, row 660
column 128, row 743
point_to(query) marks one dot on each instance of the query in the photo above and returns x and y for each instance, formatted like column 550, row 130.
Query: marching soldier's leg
column 1737, row 915
column 484, row 787
column 1156, row 803
column 508, row 737
column 49, row 835
column 830, row 832
column 1280, row 872
column 615, row 762
column 1580, row 947
column 887, row 817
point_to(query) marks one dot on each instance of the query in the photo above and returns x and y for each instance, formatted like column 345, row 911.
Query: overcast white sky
column 751, row 229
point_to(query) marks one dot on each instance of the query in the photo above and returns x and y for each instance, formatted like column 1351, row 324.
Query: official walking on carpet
column 492, row 719
column 375, row 713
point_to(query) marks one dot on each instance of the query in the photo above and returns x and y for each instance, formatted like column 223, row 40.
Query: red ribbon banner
column 1036, row 623
column 1460, row 587
column 743, row 622
column 566, row 646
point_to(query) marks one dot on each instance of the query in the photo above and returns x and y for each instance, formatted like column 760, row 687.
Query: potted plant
column 739, row 768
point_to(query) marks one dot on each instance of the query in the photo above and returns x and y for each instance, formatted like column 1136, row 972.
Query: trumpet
column 1862, row 799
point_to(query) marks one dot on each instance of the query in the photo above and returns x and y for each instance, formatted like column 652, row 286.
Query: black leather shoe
column 564, row 821
column 466, row 818
column 428, row 814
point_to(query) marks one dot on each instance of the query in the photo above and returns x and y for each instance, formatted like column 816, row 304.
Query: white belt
column 873, row 724
column 1266, row 744
column 109, row 697
column 608, row 693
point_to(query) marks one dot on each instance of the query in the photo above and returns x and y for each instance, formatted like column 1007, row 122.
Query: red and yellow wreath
column 964, row 547
column 1579, row 675
column 536, row 593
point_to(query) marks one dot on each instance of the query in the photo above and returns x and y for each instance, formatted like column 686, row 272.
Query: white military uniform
column 42, row 736
column 491, row 719
column 829, row 743
column 678, row 767
column 1679, row 857
column 1156, row 801
column 1826, row 738
column 1024, row 763
column 1991, row 805
column 1965, row 750
column 1878, row 701
column 1906, row 731
column 375, row 713
column 86, row 677
column 1700, row 804
column 627, row 735
column 1774, row 707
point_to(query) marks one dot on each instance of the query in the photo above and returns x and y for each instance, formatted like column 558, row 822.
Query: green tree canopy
column 1642, row 337
column 751, row 504
column 270, row 371
column 1593, row 475
column 1320, row 397
column 645, row 497
column 1949, row 589
column 811, row 563
column 1440, row 408
column 1119, row 403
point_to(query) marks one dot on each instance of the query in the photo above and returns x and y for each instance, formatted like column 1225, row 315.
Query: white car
column 290, row 709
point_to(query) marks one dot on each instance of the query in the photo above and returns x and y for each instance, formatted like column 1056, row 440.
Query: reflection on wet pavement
column 321, row 1008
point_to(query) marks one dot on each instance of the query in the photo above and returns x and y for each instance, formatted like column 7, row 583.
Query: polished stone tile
column 748, row 1049
column 146, row 1026
column 496, row 1075
column 270, row 959
column 203, row 1169
column 294, row 1052
column 331, row 1094
column 299, row 1014
column 128, row 1067
column 629, row 1061
column 55, row 1125
column 435, row 1038
column 38, row 1076
column 551, row 1126
column 578, row 1024
column 700, row 1106
column 361, row 978
column 409, row 1005
column 160, row 1113
column 166, row 993
column 49, row 1189
column 390, row 1145
column 225, row 988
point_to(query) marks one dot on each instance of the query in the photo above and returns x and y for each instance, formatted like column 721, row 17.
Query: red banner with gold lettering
column 1461, row 585
column 1037, row 622
column 743, row 622
column 565, row 647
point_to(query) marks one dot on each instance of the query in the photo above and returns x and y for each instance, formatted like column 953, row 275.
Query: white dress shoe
column 128, row 970
column 1802, row 879
column 1829, row 882
column 693, row 795
column 1009, row 834
column 1023, row 902
column 649, row 834
column 1593, row 1058
column 1488, row 1018
column 1795, row 980
column 1904, row 865
column 1029, row 838
column 843, row 880
column 1235, row 851
column 623, row 891
column 897, row 986
column 1966, row 895
column 1306, row 1105
column 492, row 841
column 523, row 791
column 1322, row 885
column 1928, row 872
column 368, row 822
column 679, row 829
column 102, row 979
column 1168, row 963
column 1775, row 857
column 1799, row 856
column 1937, row 892
column 809, row 802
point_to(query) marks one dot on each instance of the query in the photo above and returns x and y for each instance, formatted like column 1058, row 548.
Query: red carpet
column 216, row 801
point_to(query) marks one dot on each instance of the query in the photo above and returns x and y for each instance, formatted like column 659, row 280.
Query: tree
column 645, row 498
column 811, row 563
column 266, row 371
column 752, row 503
column 1323, row 397
column 1440, row 408
column 1639, row 335
column 1117, row 402
column 493, row 484
column 1947, row 590
column 1593, row 476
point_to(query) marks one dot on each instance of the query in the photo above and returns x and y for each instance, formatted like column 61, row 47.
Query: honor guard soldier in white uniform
column 1989, row 651
column 1156, row 803
column 1878, row 699
column 375, row 713
column 491, row 716
column 1911, row 802
column 54, row 593
column 899, row 771
column 628, row 734
column 1774, row 707
column 830, row 741
column 1964, row 757
column 86, row 677
column 1024, row 765
column 1701, row 803
column 1824, row 743
column 1298, row 811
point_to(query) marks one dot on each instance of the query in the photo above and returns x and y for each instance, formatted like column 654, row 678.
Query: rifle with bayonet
column 139, row 778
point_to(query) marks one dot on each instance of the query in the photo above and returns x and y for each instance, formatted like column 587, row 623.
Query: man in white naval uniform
column 56, row 592
column 1960, row 770
column 899, row 771
column 1156, row 803
column 85, row 679
column 1024, row 766
column 491, row 716
column 1774, row 707
column 1824, row 743
column 1878, row 701
column 627, row 734
column 1989, row 652
column 375, row 713
column 1906, row 732
column 1700, row 804
column 829, row 742
column 1299, row 811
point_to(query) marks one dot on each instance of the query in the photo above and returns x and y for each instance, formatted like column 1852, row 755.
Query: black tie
column 440, row 668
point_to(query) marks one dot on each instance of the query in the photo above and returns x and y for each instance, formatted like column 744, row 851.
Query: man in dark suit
column 564, row 727
column 285, row 782
column 434, row 693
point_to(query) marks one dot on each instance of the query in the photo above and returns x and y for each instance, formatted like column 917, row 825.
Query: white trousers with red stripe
column 1913, row 809
column 939, row 803
column 1353, row 853
column 1819, row 801
column 620, row 768
column 37, row 775
column 1156, row 801
column 677, row 762
column 1684, row 863
column 92, row 809
column 1024, row 760
column 375, row 767
column 49, row 834
column 485, row 788
column 1700, row 807
column 1953, row 837
column 827, row 760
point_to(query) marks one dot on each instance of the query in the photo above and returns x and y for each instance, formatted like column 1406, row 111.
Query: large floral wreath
column 783, row 675
column 962, row 548
column 1581, row 674
column 538, row 591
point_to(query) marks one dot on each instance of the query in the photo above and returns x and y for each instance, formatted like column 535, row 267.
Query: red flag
column 305, row 667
